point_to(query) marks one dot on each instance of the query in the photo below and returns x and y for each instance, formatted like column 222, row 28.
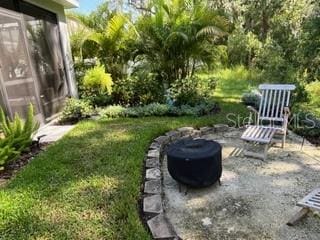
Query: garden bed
column 14, row 166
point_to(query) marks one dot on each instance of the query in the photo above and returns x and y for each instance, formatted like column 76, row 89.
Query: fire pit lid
column 193, row 148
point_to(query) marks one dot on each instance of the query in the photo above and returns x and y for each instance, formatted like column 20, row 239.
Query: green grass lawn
column 87, row 185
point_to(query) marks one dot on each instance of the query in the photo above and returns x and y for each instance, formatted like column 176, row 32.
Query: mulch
column 26, row 157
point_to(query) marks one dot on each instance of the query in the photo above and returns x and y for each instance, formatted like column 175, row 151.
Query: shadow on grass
column 89, row 181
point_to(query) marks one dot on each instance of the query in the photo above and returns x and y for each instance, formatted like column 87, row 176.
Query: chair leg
column 283, row 141
column 262, row 156
column 266, row 147
column 298, row 216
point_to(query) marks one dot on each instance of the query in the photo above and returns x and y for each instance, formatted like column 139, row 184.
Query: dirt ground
column 256, row 198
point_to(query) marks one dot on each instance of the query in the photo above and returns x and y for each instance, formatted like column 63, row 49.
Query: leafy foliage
column 243, row 47
column 166, row 43
column 140, row 88
column 157, row 109
column 313, row 90
column 252, row 98
column 16, row 135
column 179, row 37
column 97, row 86
column 97, row 80
column 191, row 91
column 76, row 109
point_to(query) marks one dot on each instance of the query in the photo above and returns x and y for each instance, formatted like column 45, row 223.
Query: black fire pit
column 195, row 162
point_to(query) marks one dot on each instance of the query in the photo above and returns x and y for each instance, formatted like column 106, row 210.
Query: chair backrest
column 275, row 97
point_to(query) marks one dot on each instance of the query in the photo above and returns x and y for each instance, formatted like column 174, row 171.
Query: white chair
column 311, row 202
column 271, row 118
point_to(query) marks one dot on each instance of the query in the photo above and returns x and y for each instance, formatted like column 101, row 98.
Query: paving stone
column 155, row 153
column 153, row 204
column 152, row 163
column 196, row 133
column 232, row 134
column 207, row 130
column 160, row 227
column 173, row 135
column 221, row 127
column 185, row 130
column 155, row 146
column 152, row 186
column 153, row 173
column 162, row 140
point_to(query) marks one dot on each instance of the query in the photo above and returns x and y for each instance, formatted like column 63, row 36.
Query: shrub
column 274, row 66
column 141, row 88
column 97, row 86
column 192, row 91
column 113, row 111
column 16, row 135
column 157, row 109
column 252, row 98
column 76, row 109
column 242, row 47
column 307, row 125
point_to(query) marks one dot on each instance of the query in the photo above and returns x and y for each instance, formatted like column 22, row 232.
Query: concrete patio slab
column 53, row 133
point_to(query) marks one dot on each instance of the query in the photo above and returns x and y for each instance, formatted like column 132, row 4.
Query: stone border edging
column 153, row 195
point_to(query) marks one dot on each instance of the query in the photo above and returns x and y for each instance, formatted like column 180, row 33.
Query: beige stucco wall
column 66, row 49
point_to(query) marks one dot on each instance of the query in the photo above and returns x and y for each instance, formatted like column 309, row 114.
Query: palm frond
column 181, row 35
column 115, row 25
column 97, row 38
column 211, row 31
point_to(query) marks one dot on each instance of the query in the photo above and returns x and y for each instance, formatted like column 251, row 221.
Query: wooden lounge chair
column 308, row 203
column 271, row 118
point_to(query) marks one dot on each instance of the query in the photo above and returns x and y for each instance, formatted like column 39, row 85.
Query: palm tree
column 176, row 36
column 110, row 38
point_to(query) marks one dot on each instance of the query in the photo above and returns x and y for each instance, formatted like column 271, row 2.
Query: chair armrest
column 252, row 109
column 286, row 111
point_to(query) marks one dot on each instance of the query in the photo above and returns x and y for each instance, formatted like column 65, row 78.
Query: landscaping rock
column 153, row 173
column 186, row 130
column 152, row 162
column 207, row 130
column 152, row 186
column 233, row 134
column 162, row 140
column 173, row 135
column 154, row 154
column 155, row 146
column 196, row 133
column 160, row 227
column 152, row 204
column 221, row 127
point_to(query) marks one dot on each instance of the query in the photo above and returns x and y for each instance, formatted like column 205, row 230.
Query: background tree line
column 153, row 49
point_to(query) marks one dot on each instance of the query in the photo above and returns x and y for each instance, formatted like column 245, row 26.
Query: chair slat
column 278, row 104
column 265, row 102
column 270, row 103
column 289, row 87
column 274, row 103
column 282, row 104
column 288, row 99
column 259, row 134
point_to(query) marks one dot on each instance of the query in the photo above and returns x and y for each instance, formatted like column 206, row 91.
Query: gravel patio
column 256, row 197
